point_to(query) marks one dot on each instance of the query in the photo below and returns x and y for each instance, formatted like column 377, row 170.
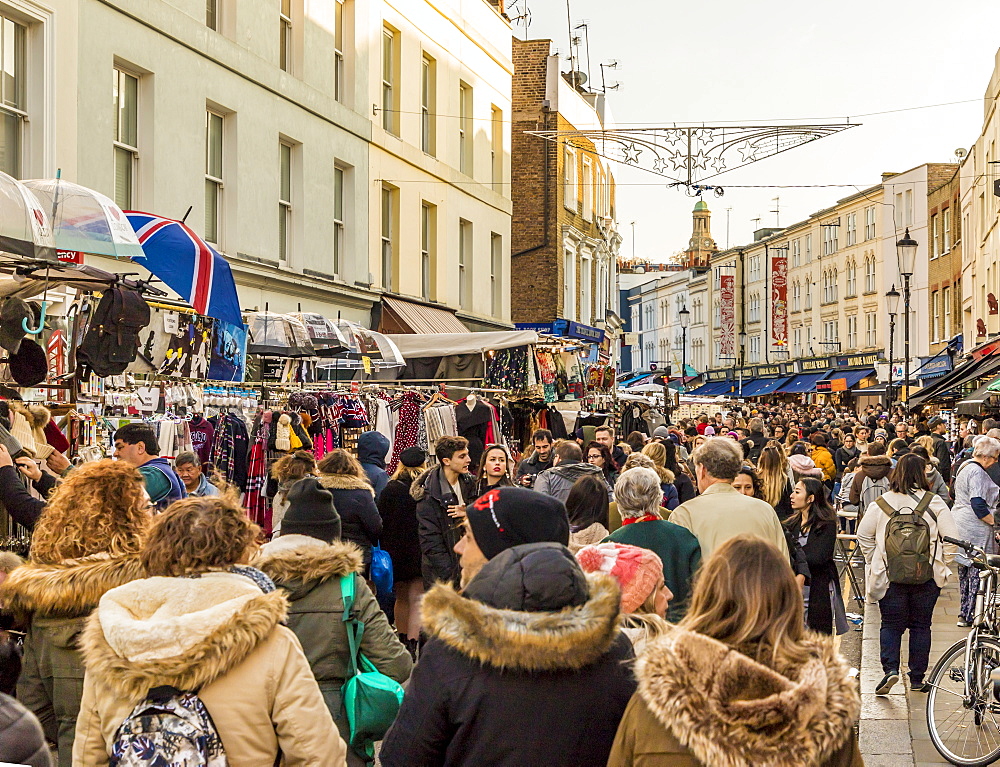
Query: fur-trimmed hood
column 732, row 711
column 184, row 632
column 294, row 560
column 69, row 589
column 875, row 466
column 344, row 482
column 542, row 636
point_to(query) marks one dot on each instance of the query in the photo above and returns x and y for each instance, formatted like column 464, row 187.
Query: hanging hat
column 637, row 570
column 40, row 417
column 311, row 511
column 20, row 429
column 28, row 366
column 510, row 516
column 13, row 313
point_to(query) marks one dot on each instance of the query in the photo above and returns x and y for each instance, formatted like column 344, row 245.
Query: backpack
column 871, row 491
column 908, row 556
column 168, row 727
column 112, row 339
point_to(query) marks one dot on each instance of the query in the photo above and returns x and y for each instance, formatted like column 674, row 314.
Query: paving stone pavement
column 893, row 728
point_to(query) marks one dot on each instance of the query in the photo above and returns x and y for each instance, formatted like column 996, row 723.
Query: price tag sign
column 367, row 362
column 355, row 387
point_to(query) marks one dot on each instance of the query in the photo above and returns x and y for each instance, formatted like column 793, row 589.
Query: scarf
column 645, row 518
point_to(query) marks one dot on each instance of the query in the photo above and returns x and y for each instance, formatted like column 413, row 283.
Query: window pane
column 286, row 172
column 286, row 8
column 126, row 95
column 212, row 14
column 13, row 64
column 10, row 144
column 338, row 194
column 338, row 34
column 123, row 178
column 387, row 56
column 213, row 160
column 211, row 211
column 386, row 213
column 282, row 233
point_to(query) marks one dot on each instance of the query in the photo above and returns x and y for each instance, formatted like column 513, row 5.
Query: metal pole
column 684, row 358
column 906, row 340
column 892, row 329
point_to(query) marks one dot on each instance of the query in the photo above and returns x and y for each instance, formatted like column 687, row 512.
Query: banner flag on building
column 727, row 284
column 779, row 298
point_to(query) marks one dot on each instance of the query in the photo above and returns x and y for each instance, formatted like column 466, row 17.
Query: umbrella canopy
column 327, row 339
column 277, row 335
column 24, row 225
column 28, row 281
column 84, row 220
column 364, row 343
column 188, row 264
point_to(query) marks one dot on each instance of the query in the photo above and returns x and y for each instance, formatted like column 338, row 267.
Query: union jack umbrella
column 187, row 264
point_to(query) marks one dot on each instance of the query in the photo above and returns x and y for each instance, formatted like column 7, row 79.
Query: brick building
column 944, row 273
column 564, row 234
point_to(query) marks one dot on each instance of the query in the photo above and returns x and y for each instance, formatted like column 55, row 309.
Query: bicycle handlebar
column 961, row 544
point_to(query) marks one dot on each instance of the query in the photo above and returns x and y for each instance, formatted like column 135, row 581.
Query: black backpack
column 112, row 339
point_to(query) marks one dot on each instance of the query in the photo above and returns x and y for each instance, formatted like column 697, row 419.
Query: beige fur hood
column 70, row 588
column 731, row 711
column 571, row 638
column 344, row 482
column 304, row 558
column 185, row 632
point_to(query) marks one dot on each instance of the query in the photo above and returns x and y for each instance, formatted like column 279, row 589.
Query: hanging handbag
column 381, row 571
column 371, row 699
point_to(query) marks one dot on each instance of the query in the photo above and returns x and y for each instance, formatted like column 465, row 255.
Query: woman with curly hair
column 285, row 472
column 658, row 454
column 87, row 541
column 598, row 454
column 203, row 620
column 354, row 498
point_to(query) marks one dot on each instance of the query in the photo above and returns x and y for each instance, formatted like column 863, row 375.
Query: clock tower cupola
column 701, row 245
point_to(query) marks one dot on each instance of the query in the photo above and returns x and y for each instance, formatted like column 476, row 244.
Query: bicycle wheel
column 963, row 719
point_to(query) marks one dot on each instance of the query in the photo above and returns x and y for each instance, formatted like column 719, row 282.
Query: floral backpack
column 168, row 728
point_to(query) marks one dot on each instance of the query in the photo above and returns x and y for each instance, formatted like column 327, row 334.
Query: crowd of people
column 606, row 599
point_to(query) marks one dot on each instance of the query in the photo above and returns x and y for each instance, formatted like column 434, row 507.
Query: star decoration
column 679, row 160
column 748, row 152
column 632, row 153
column 699, row 160
column 718, row 163
column 659, row 165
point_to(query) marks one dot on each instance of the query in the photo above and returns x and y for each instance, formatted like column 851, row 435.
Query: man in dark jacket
column 525, row 667
column 755, row 440
column 939, row 428
column 567, row 468
column 372, row 447
column 441, row 494
column 538, row 461
column 606, row 436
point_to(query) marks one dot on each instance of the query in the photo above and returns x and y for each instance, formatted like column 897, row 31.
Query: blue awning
column 636, row 379
column 803, row 383
column 713, row 388
column 854, row 377
column 761, row 386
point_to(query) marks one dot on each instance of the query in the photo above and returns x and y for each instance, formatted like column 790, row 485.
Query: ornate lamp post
column 906, row 250
column 892, row 304
column 685, row 319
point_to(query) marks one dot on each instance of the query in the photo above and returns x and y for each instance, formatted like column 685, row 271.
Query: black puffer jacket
column 438, row 532
column 21, row 738
column 354, row 500
column 527, row 667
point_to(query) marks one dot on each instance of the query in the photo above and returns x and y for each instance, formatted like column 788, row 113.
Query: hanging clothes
column 202, row 437
column 408, row 430
column 474, row 425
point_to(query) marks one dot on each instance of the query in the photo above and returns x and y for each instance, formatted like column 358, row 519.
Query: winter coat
column 21, row 738
column 400, row 530
column 844, row 456
column 438, row 532
column 309, row 571
column 823, row 458
column 55, row 601
column 354, row 500
column 821, row 542
column 676, row 547
column 943, row 455
column 721, row 513
column 558, row 480
column 372, row 447
column 871, row 538
column 685, row 487
column 588, row 536
column 22, row 506
column 753, row 445
column 532, row 465
column 938, row 486
column 218, row 634
column 525, row 667
column 701, row 702
column 875, row 467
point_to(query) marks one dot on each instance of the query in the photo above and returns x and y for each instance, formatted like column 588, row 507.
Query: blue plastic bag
column 381, row 571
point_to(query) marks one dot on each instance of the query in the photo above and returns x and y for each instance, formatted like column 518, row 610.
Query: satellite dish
column 578, row 78
column 639, row 270
column 961, row 152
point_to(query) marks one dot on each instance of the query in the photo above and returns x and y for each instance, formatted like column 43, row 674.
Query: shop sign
column 815, row 365
column 935, row 366
column 70, row 256
column 779, row 298
column 538, row 327
column 631, row 339
column 986, row 351
column 584, row 333
column 857, row 360
column 768, row 371
column 831, row 385
column 717, row 375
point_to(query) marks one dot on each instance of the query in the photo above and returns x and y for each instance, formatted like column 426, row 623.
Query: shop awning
column 407, row 317
column 951, row 386
column 636, row 379
column 761, row 386
column 803, row 383
column 854, row 377
column 976, row 402
column 713, row 389
column 444, row 344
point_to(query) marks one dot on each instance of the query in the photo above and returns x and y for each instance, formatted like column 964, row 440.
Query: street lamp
column 892, row 304
column 906, row 250
column 685, row 319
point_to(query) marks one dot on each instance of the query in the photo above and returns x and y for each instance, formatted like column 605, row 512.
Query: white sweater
column 871, row 537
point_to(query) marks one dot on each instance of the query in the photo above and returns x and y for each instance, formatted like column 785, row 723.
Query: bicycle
column 963, row 700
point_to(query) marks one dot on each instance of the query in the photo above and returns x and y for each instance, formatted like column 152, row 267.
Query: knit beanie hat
column 413, row 457
column 661, row 431
column 709, row 431
column 637, row 570
column 510, row 516
column 882, row 433
column 311, row 511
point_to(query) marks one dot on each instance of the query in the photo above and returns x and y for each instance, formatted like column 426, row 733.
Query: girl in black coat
column 354, row 499
column 685, row 487
column 814, row 524
column 400, row 537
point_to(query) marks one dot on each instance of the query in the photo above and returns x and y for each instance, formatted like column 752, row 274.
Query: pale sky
column 778, row 61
